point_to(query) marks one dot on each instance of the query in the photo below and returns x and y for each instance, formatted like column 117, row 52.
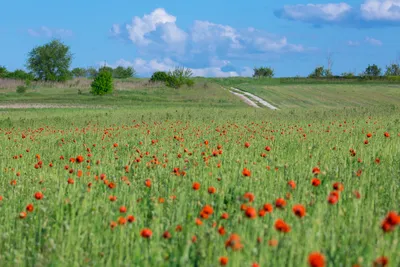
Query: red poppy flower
column 212, row 190
column 146, row 233
column 338, row 186
column 223, row 261
column 224, row 216
column 280, row 203
column 316, row 170
column 268, row 207
column 38, row 195
column 315, row 182
column 247, row 145
column 251, row 213
column 196, row 186
column 131, row 218
column 316, row 259
column 122, row 209
column 292, row 184
column 381, row 262
column 29, row 207
column 246, row 172
column 299, row 210
column 22, row 215
column 282, row 226
column 166, row 235
column 249, row 196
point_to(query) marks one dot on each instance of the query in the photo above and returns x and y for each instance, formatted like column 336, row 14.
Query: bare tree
column 329, row 59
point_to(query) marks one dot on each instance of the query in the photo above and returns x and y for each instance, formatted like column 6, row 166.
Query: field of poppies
column 200, row 187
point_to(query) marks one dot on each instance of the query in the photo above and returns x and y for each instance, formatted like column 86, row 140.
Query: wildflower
column 299, row 210
column 251, row 213
column 38, row 195
column 146, row 233
column 196, row 186
column 280, row 203
column 246, row 172
column 282, row 226
column 223, row 261
column 315, row 182
column 316, row 259
column 381, row 262
column 249, row 196
column 29, row 207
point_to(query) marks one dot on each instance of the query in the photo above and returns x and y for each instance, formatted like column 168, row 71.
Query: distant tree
column 91, row 72
column 318, row 72
column 106, row 68
column 3, row 72
column 103, row 82
column 179, row 76
column 261, row 72
column 79, row 72
column 20, row 75
column 159, row 76
column 392, row 70
column 123, row 73
column 348, row 75
column 372, row 71
column 50, row 62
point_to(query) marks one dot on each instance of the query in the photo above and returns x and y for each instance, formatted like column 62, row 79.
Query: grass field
column 194, row 177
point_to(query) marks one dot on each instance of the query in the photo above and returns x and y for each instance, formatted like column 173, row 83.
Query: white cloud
column 353, row 43
column 373, row 41
column 316, row 12
column 388, row 10
column 371, row 13
column 50, row 33
column 147, row 67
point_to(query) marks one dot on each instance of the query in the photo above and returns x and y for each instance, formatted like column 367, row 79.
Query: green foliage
column 392, row 70
column 107, row 69
column 21, row 89
column 320, row 72
column 91, row 72
column 348, row 75
column 20, row 75
column 263, row 72
column 103, row 83
column 159, row 76
column 123, row 73
column 79, row 72
column 179, row 77
column 3, row 72
column 50, row 62
column 372, row 71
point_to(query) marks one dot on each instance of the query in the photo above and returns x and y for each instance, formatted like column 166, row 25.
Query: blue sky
column 214, row 38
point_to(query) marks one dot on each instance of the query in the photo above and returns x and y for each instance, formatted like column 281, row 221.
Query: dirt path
column 245, row 99
column 256, row 98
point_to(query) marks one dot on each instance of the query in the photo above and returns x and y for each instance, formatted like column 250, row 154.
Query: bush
column 261, row 72
column 21, row 89
column 3, row 72
column 103, row 83
column 159, row 76
column 123, row 73
column 178, row 77
column 19, row 75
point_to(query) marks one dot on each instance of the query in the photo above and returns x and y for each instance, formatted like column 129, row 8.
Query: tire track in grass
column 256, row 98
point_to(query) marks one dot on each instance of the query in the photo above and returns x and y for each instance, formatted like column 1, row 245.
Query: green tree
column 261, row 72
column 3, row 72
column 91, row 72
column 20, row 75
column 179, row 76
column 159, row 76
column 392, row 70
column 320, row 72
column 103, row 83
column 50, row 62
column 79, row 72
column 123, row 73
column 372, row 71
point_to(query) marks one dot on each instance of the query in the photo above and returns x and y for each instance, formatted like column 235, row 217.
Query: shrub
column 103, row 83
column 159, row 76
column 261, row 72
column 123, row 73
column 21, row 89
column 372, row 71
column 178, row 77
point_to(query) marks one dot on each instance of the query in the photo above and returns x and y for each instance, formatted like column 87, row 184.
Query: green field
column 144, row 134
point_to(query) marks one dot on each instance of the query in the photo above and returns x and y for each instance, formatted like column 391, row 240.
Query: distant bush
column 123, row 73
column 19, row 75
column 103, row 83
column 79, row 72
column 372, row 71
column 348, row 75
column 3, row 72
column 159, row 76
column 266, row 72
column 320, row 72
column 392, row 70
column 21, row 89
column 179, row 77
